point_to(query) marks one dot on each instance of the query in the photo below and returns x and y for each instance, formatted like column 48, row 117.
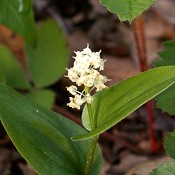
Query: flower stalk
column 86, row 72
column 90, row 113
column 91, row 156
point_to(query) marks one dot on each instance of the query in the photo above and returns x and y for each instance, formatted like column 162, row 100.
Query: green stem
column 91, row 156
column 90, row 113
column 94, row 141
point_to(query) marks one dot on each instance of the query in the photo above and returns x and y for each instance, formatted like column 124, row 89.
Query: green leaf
column 48, row 61
column 166, row 100
column 43, row 137
column 12, row 70
column 167, row 55
column 18, row 16
column 169, row 143
column 115, row 103
column 2, row 79
column 44, row 98
column 165, row 169
column 127, row 9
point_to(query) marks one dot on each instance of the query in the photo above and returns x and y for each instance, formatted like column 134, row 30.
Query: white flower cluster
column 85, row 72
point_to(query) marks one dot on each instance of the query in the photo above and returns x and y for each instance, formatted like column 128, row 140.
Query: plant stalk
column 90, row 113
column 91, row 156
column 139, row 35
column 94, row 141
column 91, row 120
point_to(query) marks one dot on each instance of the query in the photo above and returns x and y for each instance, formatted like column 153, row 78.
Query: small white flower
column 76, row 102
column 80, row 81
column 72, row 74
column 99, row 86
column 89, row 81
column 85, row 71
column 72, row 89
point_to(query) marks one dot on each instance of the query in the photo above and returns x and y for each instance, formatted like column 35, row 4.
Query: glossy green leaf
column 165, row 169
column 127, row 9
column 166, row 100
column 44, row 98
column 115, row 103
column 12, row 70
column 169, row 144
column 18, row 16
column 43, row 137
column 48, row 61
